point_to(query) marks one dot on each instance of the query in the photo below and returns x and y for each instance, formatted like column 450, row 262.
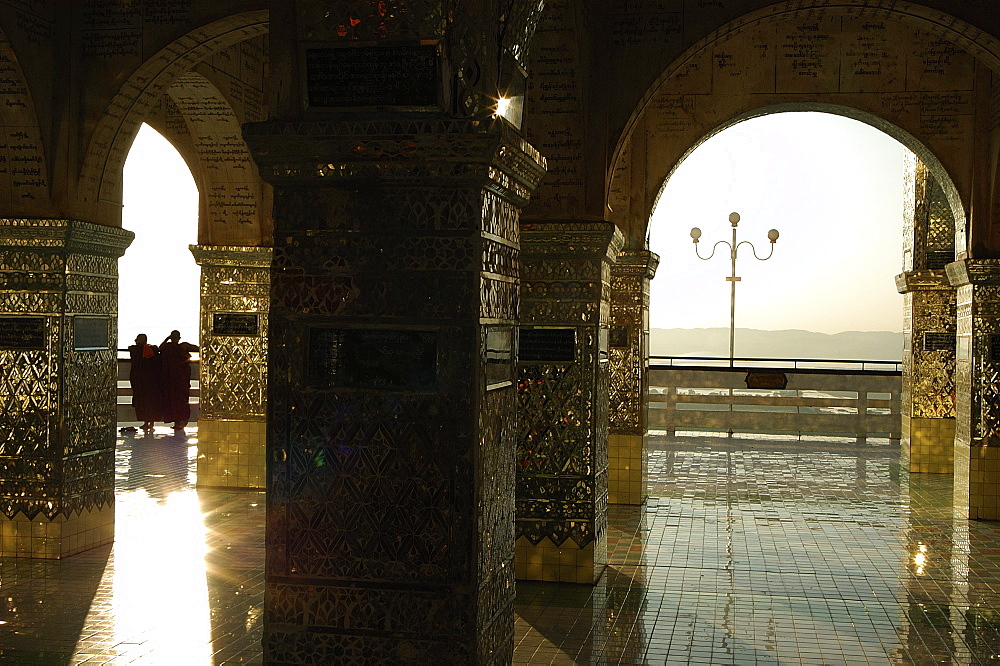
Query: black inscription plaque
column 547, row 344
column 618, row 337
column 91, row 333
column 766, row 380
column 379, row 359
column 245, row 324
column 939, row 341
column 347, row 76
column 22, row 333
column 995, row 348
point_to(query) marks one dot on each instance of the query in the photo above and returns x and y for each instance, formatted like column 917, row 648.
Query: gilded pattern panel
column 50, row 469
column 234, row 280
column 562, row 453
column 629, row 304
column 394, row 507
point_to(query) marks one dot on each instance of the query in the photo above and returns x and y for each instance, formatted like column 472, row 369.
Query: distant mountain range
column 853, row 345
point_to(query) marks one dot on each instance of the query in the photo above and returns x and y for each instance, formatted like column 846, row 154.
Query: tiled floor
column 749, row 551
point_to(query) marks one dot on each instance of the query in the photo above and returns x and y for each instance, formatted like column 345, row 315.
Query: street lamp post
column 734, row 219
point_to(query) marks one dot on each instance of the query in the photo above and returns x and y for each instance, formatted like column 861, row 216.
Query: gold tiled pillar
column 977, row 384
column 235, row 286
column 58, row 372
column 927, row 404
column 562, row 375
column 629, row 360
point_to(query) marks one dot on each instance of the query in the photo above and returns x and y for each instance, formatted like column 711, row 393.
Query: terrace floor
column 748, row 551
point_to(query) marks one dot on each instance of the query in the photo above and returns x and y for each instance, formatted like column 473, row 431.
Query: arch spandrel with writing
column 917, row 86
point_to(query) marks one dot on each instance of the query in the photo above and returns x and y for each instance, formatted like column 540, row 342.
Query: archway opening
column 158, row 277
column 834, row 188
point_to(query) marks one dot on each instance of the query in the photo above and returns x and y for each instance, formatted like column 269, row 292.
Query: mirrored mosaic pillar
column 628, row 342
column 391, row 402
column 235, row 296
column 563, row 375
column 977, row 387
column 58, row 379
column 928, row 397
column 927, row 404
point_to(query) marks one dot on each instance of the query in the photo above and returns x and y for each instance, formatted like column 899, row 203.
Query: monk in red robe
column 175, row 358
column 145, row 377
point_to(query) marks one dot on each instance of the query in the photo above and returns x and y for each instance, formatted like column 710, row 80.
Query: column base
column 560, row 564
column 55, row 539
column 979, row 485
column 928, row 445
column 231, row 453
column 626, row 460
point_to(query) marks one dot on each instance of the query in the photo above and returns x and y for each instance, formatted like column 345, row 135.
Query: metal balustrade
column 775, row 396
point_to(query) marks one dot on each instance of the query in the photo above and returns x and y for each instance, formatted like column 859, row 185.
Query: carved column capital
column 404, row 152
column 973, row 272
column 910, row 281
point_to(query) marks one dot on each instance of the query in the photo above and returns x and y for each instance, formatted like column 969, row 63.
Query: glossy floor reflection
column 749, row 551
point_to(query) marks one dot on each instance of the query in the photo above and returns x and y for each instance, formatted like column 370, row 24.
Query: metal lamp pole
column 734, row 219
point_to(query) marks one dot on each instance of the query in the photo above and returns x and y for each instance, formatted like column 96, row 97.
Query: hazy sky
column 833, row 188
column 158, row 288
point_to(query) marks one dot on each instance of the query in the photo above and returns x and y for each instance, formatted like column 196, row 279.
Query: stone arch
column 231, row 194
column 696, row 96
column 101, row 175
column 923, row 153
column 24, row 178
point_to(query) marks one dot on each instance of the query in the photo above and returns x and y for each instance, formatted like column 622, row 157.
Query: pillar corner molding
column 599, row 240
column 973, row 271
column 909, row 281
column 61, row 234
column 415, row 150
column 641, row 262
column 231, row 255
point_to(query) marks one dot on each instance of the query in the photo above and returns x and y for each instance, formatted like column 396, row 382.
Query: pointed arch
column 101, row 175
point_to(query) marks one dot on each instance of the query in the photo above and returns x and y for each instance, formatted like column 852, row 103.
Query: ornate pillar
column 562, row 375
column 629, row 360
column 58, row 377
column 391, row 399
column 235, row 285
column 927, row 402
column 977, row 387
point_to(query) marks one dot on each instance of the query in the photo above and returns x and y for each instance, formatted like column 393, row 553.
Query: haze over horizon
column 832, row 186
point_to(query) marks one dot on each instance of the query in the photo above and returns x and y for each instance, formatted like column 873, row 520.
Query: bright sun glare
column 158, row 277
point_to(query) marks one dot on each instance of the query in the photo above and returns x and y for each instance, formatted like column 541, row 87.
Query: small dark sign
column 367, row 358
column 391, row 75
column 939, row 341
column 547, row 344
column 499, row 354
column 766, row 380
column 618, row 337
column 246, row 324
column 995, row 348
column 91, row 332
column 22, row 333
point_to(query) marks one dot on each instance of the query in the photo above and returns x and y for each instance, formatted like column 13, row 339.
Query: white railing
column 777, row 396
